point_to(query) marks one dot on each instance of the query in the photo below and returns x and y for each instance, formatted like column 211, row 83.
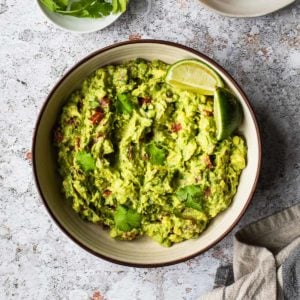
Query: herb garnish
column 85, row 8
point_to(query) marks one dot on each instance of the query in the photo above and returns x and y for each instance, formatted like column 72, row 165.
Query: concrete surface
column 37, row 261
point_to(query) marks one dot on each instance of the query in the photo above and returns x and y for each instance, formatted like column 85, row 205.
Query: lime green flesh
column 193, row 75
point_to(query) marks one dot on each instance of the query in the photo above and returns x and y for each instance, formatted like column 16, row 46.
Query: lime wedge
column 194, row 75
column 228, row 113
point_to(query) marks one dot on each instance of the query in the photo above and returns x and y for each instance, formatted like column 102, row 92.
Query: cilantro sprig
column 157, row 153
column 85, row 161
column 192, row 196
column 126, row 218
column 123, row 104
column 85, row 8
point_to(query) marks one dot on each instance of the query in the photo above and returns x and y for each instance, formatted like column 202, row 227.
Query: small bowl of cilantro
column 82, row 16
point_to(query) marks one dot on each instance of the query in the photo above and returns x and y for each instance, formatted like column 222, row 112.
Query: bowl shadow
column 274, row 150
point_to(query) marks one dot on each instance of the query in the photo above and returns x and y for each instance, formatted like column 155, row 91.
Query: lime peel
column 228, row 113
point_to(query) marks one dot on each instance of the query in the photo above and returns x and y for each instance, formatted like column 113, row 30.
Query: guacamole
column 142, row 158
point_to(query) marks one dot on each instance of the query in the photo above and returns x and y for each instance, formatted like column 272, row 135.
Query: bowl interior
column 143, row 251
column 80, row 25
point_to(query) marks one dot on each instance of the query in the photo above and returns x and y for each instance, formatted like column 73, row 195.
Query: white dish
column 79, row 25
column 245, row 8
column 142, row 252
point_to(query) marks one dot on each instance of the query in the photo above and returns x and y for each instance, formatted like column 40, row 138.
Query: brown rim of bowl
column 201, row 56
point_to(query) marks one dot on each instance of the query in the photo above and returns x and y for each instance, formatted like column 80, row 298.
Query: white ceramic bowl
column 245, row 8
column 79, row 25
column 144, row 251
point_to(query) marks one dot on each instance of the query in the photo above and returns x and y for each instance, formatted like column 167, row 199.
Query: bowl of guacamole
column 131, row 168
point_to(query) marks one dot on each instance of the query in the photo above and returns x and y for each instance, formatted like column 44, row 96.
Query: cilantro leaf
column 192, row 195
column 126, row 219
column 77, row 9
column 50, row 5
column 85, row 8
column 120, row 218
column 98, row 10
column 133, row 218
column 85, row 161
column 115, row 6
column 156, row 153
column 62, row 3
column 119, row 5
column 123, row 104
column 89, row 9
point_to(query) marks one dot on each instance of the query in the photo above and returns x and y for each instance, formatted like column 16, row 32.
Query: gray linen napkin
column 266, row 261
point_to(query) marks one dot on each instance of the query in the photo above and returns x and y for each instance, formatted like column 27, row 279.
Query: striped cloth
column 266, row 261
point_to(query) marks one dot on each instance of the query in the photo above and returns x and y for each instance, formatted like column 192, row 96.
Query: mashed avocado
column 142, row 158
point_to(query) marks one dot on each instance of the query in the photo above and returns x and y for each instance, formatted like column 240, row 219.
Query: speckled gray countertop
column 37, row 261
